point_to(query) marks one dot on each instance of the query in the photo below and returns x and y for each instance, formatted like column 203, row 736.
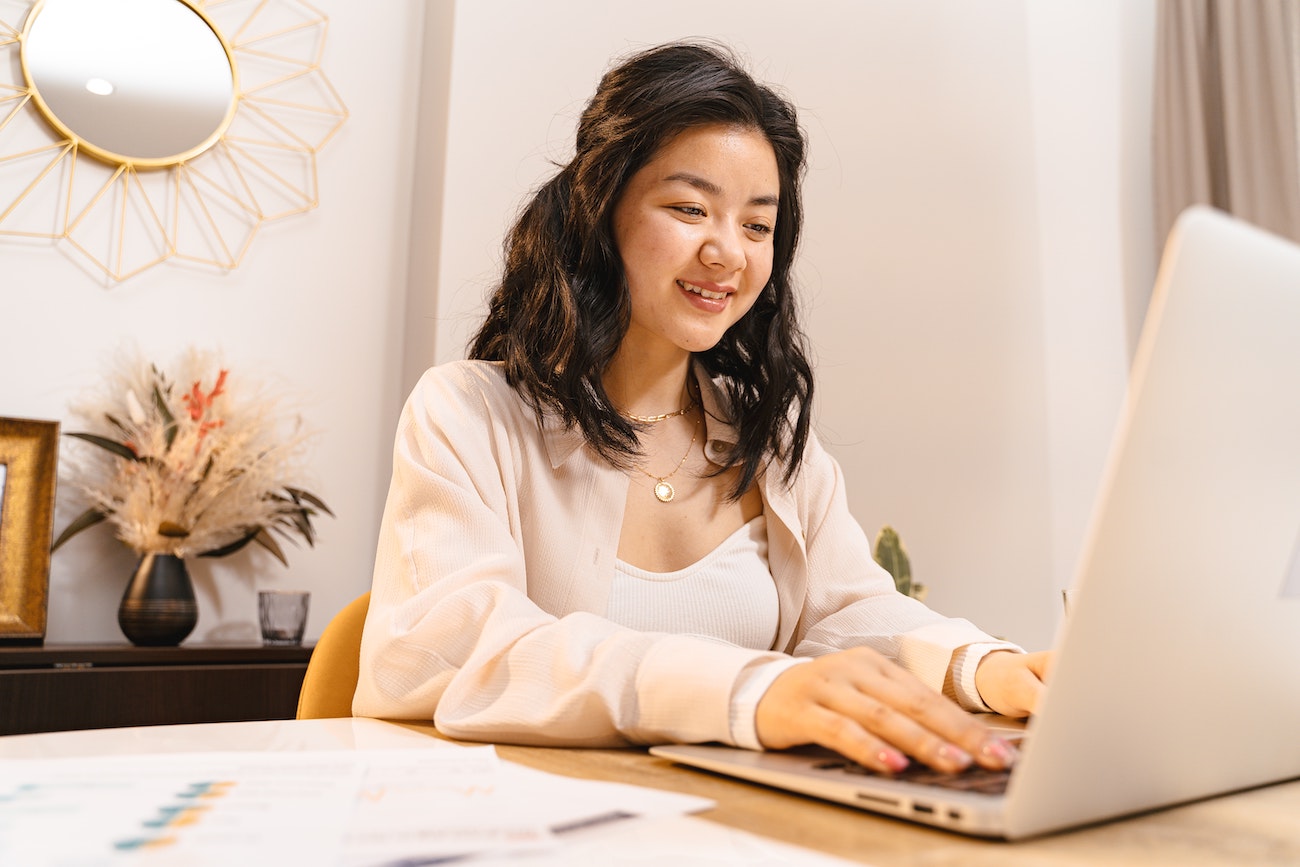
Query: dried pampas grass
column 195, row 461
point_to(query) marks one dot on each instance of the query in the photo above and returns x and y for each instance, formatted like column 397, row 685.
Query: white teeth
column 712, row 296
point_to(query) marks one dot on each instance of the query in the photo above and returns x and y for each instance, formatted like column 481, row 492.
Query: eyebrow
column 708, row 186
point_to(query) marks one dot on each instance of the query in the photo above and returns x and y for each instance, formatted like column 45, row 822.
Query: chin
column 701, row 341
column 694, row 346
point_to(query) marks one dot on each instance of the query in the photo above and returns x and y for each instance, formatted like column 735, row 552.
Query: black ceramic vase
column 158, row 608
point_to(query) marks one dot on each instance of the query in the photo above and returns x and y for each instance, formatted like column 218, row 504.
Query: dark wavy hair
column 562, row 307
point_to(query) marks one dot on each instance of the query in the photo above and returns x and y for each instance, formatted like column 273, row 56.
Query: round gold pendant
column 664, row 492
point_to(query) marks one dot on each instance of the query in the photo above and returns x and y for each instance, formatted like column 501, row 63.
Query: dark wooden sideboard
column 60, row 687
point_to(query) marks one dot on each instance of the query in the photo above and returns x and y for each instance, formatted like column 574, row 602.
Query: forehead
column 734, row 158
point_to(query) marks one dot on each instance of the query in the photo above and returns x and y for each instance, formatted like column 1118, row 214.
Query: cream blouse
column 494, row 567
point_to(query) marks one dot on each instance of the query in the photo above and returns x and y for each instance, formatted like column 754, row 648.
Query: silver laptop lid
column 1178, row 668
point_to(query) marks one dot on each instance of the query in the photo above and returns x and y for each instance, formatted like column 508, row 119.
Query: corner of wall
column 427, row 194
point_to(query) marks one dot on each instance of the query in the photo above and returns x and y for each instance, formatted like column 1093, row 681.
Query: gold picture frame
column 28, row 472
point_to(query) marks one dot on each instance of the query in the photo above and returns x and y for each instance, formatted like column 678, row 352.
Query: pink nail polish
column 893, row 759
column 956, row 755
column 1000, row 751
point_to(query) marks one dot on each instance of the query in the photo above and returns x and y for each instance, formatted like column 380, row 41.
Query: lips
column 710, row 291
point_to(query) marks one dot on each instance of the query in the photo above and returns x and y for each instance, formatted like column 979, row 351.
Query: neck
column 642, row 387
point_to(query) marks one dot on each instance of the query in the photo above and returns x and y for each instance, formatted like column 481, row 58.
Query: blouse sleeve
column 453, row 636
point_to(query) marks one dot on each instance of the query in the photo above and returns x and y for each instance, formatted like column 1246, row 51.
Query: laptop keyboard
column 973, row 779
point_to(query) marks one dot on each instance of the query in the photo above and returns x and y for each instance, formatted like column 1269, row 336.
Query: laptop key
column 973, row 779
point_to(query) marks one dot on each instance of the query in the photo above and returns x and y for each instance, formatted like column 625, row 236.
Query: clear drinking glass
column 283, row 614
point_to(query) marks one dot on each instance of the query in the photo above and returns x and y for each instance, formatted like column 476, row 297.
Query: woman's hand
column 867, row 708
column 1012, row 683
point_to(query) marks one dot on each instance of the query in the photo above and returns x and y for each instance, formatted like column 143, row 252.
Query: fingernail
column 893, row 759
column 1000, row 751
column 955, row 755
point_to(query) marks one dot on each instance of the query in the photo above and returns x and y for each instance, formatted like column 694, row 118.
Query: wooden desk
column 1258, row 827
column 91, row 686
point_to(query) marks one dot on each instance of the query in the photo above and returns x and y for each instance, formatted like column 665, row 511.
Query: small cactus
column 891, row 555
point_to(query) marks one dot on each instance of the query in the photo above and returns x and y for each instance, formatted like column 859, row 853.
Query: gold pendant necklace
column 664, row 492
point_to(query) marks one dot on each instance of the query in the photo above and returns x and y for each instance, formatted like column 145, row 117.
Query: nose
column 723, row 248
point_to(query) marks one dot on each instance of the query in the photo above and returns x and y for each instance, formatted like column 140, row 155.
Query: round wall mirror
column 139, row 131
column 146, row 82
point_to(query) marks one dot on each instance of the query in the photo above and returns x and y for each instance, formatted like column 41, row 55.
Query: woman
column 613, row 524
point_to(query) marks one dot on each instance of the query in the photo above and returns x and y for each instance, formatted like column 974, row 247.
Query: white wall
column 316, row 307
column 1091, row 92
column 975, row 179
column 960, row 264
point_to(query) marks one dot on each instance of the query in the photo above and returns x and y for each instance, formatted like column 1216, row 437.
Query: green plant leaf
column 234, row 546
column 293, row 515
column 107, row 444
column 892, row 555
column 117, row 423
column 197, row 486
column 85, row 520
column 299, row 493
column 302, row 522
column 267, row 541
column 286, row 526
column 170, row 431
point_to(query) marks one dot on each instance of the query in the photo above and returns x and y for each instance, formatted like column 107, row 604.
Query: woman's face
column 694, row 229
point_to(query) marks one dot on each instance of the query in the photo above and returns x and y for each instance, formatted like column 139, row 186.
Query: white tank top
column 729, row 594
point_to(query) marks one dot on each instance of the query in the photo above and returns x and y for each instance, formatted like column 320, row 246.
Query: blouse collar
column 719, row 434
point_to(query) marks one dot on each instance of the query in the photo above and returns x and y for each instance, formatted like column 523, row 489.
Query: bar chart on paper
column 200, row 808
column 188, row 808
column 332, row 807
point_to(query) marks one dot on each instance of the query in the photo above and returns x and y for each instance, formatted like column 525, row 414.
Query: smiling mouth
column 703, row 293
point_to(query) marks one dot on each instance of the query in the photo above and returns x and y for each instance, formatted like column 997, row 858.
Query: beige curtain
column 1225, row 111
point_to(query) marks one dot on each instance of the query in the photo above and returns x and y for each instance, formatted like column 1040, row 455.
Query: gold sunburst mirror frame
column 139, row 131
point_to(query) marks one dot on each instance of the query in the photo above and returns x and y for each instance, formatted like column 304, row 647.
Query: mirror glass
column 134, row 80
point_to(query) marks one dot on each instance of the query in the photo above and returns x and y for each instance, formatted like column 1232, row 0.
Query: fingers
column 880, row 714
column 918, row 719
column 848, row 738
column 1032, row 680
column 867, row 708
column 1012, row 683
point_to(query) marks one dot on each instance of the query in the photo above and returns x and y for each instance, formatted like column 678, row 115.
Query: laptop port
column 922, row 808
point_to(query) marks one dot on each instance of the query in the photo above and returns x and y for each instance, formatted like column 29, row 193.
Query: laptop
column 1177, row 670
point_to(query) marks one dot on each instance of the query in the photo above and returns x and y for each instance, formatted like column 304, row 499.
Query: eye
column 761, row 229
column 689, row 210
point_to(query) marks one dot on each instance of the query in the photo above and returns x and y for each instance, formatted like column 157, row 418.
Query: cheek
column 760, row 267
column 640, row 245
column 758, row 271
column 751, row 298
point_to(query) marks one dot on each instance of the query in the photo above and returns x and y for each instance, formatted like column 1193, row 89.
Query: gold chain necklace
column 651, row 419
column 664, row 492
